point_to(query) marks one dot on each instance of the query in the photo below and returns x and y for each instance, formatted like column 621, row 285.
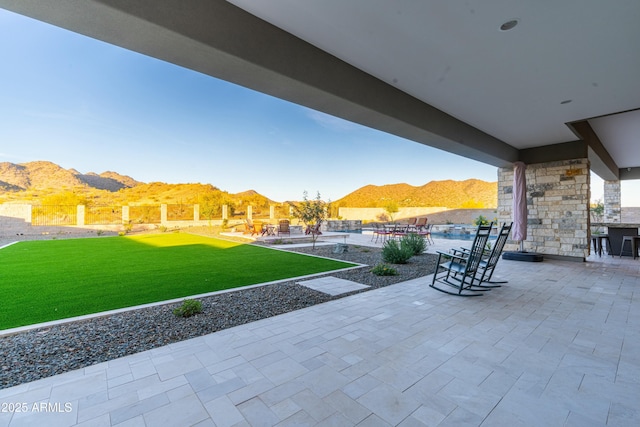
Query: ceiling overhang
column 219, row 39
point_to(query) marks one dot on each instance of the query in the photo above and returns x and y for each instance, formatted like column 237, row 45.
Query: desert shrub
column 481, row 220
column 416, row 243
column 188, row 308
column 384, row 270
column 396, row 253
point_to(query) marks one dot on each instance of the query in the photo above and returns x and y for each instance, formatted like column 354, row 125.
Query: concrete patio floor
column 559, row 345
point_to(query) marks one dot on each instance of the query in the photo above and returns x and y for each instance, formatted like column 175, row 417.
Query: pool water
column 446, row 236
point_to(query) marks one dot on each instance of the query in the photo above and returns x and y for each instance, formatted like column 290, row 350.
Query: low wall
column 342, row 225
column 374, row 214
column 14, row 211
column 436, row 215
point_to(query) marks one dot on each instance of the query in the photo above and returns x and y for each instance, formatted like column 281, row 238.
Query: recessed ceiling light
column 566, row 101
column 509, row 25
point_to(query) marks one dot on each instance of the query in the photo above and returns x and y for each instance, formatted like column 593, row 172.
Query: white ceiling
column 510, row 84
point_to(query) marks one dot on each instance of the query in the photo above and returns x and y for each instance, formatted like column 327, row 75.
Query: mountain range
column 38, row 181
column 42, row 175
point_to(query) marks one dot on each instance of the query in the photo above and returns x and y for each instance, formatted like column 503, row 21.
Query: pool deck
column 559, row 345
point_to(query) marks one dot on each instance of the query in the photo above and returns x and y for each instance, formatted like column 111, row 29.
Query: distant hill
column 43, row 175
column 45, row 182
column 471, row 193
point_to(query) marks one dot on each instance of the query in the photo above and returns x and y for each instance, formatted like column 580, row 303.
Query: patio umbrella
column 519, row 204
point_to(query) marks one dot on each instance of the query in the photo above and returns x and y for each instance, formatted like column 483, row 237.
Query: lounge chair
column 459, row 273
column 283, row 227
column 249, row 227
column 314, row 229
column 259, row 227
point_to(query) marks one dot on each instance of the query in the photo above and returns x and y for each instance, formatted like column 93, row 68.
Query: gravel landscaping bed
column 40, row 353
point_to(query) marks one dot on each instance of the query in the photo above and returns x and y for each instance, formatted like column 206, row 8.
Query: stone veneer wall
column 558, row 196
column 612, row 202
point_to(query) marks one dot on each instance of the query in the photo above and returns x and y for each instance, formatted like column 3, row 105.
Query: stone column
column 612, row 202
column 249, row 212
column 272, row 212
column 163, row 214
column 225, row 212
column 125, row 215
column 196, row 212
column 80, row 215
column 558, row 206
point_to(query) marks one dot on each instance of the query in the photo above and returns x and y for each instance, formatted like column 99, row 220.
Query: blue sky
column 87, row 105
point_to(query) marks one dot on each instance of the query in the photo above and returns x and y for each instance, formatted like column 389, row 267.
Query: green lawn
column 48, row 280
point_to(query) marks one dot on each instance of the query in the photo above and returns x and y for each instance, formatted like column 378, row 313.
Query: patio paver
column 558, row 345
column 332, row 285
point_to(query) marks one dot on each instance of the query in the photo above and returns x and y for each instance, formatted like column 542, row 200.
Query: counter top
column 615, row 225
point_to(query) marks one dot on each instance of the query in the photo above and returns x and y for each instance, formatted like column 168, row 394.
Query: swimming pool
column 436, row 235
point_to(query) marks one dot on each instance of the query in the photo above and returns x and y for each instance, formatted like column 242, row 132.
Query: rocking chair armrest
column 485, row 252
column 461, row 250
column 450, row 255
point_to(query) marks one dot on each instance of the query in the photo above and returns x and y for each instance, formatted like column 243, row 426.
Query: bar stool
column 597, row 240
column 633, row 241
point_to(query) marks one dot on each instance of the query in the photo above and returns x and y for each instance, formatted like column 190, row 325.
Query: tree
column 391, row 208
column 597, row 213
column 211, row 203
column 311, row 213
column 66, row 198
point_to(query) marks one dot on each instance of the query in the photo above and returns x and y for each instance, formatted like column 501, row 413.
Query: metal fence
column 62, row 215
column 54, row 215
column 147, row 214
column 103, row 215
column 180, row 212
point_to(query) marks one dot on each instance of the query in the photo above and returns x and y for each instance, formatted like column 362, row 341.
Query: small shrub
column 384, row 270
column 416, row 243
column 188, row 308
column 100, row 232
column 396, row 253
column 481, row 220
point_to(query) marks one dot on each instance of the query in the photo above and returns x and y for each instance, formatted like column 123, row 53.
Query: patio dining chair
column 314, row 229
column 421, row 222
column 459, row 272
column 379, row 230
column 424, row 231
column 400, row 230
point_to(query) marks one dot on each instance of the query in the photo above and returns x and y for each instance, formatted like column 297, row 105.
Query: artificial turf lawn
column 49, row 280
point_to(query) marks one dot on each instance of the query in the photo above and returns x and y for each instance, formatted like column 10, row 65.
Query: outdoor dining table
column 269, row 230
column 616, row 232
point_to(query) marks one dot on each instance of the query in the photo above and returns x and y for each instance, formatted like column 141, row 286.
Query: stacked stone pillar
column 612, row 202
column 558, row 207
